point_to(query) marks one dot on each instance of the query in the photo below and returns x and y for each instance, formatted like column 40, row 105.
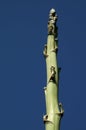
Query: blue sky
column 23, row 33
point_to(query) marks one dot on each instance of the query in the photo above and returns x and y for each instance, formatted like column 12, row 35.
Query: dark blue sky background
column 23, row 33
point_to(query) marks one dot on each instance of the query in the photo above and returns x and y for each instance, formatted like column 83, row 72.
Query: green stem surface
column 53, row 114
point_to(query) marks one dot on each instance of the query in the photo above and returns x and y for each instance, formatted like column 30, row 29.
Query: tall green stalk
column 54, row 110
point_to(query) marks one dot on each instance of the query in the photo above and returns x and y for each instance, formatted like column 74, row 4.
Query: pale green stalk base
column 52, row 109
column 53, row 114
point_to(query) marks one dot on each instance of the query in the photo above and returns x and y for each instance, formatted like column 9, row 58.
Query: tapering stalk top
column 52, row 29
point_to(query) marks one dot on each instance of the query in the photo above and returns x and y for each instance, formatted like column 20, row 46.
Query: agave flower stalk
column 54, row 110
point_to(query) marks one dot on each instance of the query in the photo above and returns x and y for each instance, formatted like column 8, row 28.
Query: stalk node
column 45, row 51
column 61, row 110
column 55, row 49
column 53, row 73
column 46, row 119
